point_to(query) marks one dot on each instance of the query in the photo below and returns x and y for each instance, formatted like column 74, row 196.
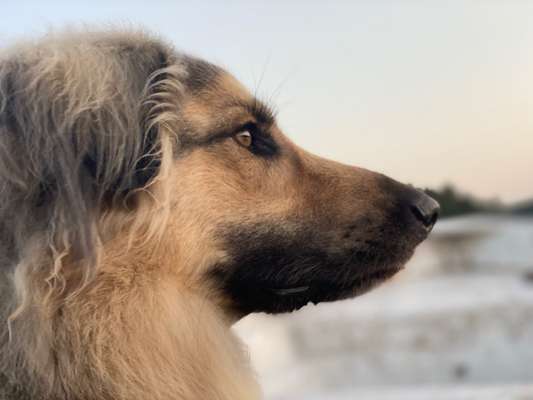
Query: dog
column 148, row 201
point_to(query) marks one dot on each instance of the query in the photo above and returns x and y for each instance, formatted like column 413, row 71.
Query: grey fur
column 80, row 115
column 67, row 101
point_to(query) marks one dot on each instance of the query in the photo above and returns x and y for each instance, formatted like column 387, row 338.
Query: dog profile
column 147, row 202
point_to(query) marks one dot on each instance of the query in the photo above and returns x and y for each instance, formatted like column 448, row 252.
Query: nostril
column 434, row 217
column 426, row 210
column 427, row 220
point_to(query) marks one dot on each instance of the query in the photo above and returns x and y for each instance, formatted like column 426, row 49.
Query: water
column 461, row 315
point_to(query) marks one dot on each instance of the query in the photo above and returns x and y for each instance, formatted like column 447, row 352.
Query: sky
column 428, row 92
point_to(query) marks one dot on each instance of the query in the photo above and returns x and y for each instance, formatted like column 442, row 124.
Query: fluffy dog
column 147, row 202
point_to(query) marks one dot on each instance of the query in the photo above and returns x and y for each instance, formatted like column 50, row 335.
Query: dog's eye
column 250, row 137
column 244, row 138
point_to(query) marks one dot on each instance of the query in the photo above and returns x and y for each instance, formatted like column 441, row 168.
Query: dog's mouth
column 265, row 296
column 356, row 285
column 290, row 291
column 292, row 298
column 272, row 275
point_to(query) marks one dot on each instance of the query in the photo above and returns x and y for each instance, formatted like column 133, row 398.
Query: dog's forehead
column 203, row 76
column 217, row 101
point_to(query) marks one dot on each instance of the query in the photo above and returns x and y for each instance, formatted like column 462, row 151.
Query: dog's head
column 248, row 214
column 289, row 227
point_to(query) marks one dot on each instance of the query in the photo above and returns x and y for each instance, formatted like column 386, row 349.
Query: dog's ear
column 146, row 164
column 80, row 124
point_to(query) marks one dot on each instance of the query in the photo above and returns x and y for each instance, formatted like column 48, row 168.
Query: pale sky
column 425, row 91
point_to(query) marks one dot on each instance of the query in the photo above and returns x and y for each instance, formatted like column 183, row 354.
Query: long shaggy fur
column 85, row 120
column 54, row 118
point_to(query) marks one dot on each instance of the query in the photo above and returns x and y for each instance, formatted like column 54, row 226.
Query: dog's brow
column 261, row 112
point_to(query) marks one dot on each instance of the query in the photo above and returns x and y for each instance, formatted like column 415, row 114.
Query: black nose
column 425, row 209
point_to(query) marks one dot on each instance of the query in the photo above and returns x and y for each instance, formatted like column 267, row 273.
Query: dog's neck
column 132, row 336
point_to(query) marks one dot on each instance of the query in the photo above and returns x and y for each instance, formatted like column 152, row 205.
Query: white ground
column 495, row 392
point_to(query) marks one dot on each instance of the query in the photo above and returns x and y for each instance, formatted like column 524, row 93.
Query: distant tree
column 525, row 208
column 454, row 202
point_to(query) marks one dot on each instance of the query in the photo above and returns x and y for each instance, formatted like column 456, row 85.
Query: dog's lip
column 379, row 274
column 289, row 290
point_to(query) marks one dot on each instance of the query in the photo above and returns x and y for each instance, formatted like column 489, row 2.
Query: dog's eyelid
column 250, row 126
column 254, row 129
column 227, row 133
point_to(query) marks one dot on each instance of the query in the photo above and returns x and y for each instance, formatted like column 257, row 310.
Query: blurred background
column 435, row 93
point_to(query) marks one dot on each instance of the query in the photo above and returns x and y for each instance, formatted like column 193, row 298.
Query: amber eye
column 244, row 138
